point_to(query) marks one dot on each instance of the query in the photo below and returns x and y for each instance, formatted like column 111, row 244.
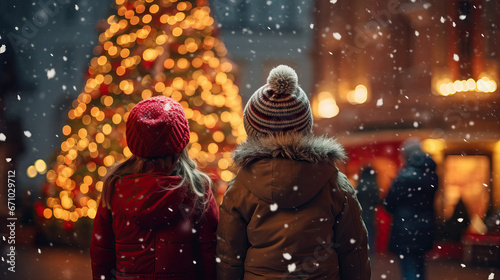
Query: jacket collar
column 309, row 148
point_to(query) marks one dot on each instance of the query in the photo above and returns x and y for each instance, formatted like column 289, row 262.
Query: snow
column 491, row 276
column 8, row 159
column 27, row 134
column 273, row 207
column 291, row 267
column 287, row 256
column 3, row 48
column 442, row 19
column 333, row 1
column 337, row 36
column 380, row 102
column 2, row 137
column 51, row 73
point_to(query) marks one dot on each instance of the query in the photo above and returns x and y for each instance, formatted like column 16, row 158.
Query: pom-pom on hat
column 280, row 106
column 157, row 127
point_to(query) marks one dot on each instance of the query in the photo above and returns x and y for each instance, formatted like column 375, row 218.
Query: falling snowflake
column 380, row 102
column 273, row 207
column 352, row 240
column 3, row 48
column 291, row 267
column 462, row 17
column 2, row 137
column 456, row 57
column 442, row 19
column 18, row 97
column 39, row 251
column 337, row 36
column 8, row 159
column 27, row 134
column 287, row 256
column 51, row 73
column 217, row 260
column 311, row 25
column 491, row 276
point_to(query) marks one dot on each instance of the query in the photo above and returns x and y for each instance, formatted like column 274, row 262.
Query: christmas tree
column 151, row 47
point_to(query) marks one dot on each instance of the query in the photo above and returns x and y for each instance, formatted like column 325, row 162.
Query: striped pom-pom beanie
column 280, row 106
column 157, row 127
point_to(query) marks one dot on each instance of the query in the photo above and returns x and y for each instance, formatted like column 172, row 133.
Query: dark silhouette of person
column 368, row 197
column 411, row 202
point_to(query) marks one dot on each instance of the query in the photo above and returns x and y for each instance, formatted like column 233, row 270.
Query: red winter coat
column 149, row 232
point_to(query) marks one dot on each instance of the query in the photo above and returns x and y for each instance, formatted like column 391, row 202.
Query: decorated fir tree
column 151, row 47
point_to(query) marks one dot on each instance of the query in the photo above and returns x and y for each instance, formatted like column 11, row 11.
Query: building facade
column 389, row 70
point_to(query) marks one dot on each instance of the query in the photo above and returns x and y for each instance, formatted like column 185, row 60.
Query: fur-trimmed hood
column 310, row 148
column 289, row 169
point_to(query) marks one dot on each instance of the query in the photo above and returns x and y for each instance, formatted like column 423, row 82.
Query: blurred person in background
column 411, row 202
column 368, row 197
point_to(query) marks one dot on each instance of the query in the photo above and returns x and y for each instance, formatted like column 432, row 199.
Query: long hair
column 185, row 168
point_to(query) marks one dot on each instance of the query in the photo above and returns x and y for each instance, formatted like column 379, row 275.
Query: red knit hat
column 157, row 127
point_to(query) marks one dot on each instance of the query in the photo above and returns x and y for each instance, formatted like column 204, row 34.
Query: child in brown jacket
column 289, row 213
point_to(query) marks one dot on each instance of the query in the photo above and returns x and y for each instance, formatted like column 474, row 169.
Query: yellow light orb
column 102, row 60
column 193, row 137
column 66, row 202
column 47, row 213
column 91, row 213
column 327, row 107
column 102, row 171
column 117, row 118
column 84, row 188
column 169, row 63
column 40, row 166
column 66, row 130
column 177, row 31
column 109, row 160
column 99, row 185
column 31, row 171
column 218, row 136
column 106, row 129
column 223, row 163
column 154, row 9
column 126, row 152
column 226, row 175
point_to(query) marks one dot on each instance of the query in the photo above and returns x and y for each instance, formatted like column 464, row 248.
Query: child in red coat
column 158, row 216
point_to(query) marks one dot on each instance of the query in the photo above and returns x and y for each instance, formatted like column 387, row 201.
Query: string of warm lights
column 481, row 85
column 150, row 48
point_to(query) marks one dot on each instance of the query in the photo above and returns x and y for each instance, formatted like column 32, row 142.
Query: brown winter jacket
column 290, row 214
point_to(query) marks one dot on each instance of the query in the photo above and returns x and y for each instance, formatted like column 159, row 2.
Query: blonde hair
column 184, row 167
